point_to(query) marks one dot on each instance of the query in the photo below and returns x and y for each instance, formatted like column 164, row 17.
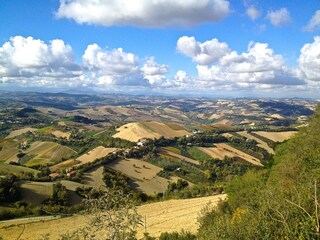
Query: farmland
column 172, row 215
column 48, row 152
column 261, row 143
column 136, row 131
column 19, row 132
column 143, row 174
column 94, row 154
column 276, row 136
column 221, row 150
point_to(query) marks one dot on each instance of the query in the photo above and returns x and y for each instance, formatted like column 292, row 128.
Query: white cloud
column 279, row 17
column 314, row 22
column 143, row 13
column 309, row 60
column 202, row 53
column 258, row 66
column 114, row 67
column 154, row 72
column 253, row 13
column 33, row 62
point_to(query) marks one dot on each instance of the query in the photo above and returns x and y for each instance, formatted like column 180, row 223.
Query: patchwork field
column 48, row 152
column 98, row 152
column 172, row 215
column 136, row 131
column 221, row 150
column 261, row 143
column 276, row 136
column 19, row 132
column 143, row 175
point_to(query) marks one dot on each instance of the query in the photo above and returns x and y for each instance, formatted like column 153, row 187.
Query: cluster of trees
column 281, row 202
column 9, row 189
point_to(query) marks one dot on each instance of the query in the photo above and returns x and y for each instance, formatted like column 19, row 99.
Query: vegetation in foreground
column 276, row 203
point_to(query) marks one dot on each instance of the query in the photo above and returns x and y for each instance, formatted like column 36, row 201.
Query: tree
column 113, row 215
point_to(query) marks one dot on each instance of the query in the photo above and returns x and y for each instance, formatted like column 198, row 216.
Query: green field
column 197, row 154
column 17, row 170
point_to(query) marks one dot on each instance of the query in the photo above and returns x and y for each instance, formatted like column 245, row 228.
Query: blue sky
column 253, row 48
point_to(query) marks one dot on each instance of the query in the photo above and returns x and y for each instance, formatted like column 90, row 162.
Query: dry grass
column 167, row 216
column 19, row 132
column 98, row 152
column 276, row 136
column 261, row 143
column 221, row 150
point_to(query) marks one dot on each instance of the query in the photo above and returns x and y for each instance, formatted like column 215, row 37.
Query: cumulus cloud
column 309, row 60
column 314, row 22
column 279, row 17
column 114, row 67
column 154, row 72
column 34, row 62
column 144, row 13
column 202, row 53
column 258, row 66
column 253, row 13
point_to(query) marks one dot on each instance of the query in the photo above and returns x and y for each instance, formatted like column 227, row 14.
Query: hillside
column 172, row 215
column 276, row 203
column 136, row 131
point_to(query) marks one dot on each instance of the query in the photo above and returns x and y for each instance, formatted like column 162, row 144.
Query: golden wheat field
column 98, row 152
column 221, row 150
column 276, row 136
column 261, row 143
column 172, row 215
column 136, row 131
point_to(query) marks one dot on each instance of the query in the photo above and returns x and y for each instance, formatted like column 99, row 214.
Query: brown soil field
column 60, row 134
column 143, row 174
column 94, row 178
column 136, row 131
column 261, row 143
column 98, row 152
column 167, row 216
column 48, row 152
column 19, row 132
column 221, row 150
column 276, row 136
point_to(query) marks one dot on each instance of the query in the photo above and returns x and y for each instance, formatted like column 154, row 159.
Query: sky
column 230, row 48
